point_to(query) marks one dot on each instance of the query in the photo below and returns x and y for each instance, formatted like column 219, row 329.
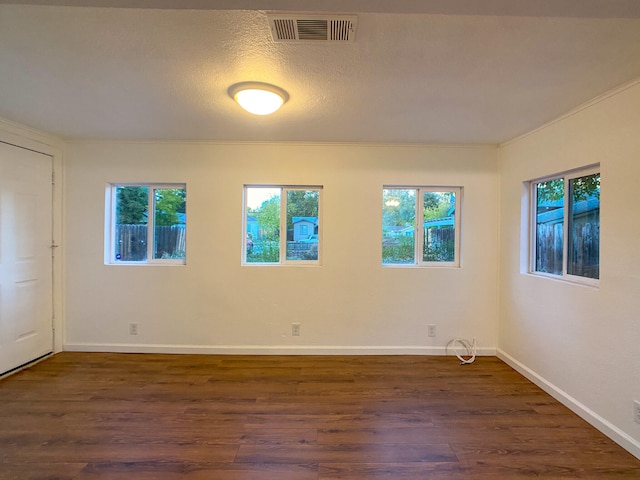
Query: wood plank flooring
column 90, row 416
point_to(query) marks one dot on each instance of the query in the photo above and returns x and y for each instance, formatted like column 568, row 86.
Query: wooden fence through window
column 439, row 244
column 131, row 242
column 584, row 251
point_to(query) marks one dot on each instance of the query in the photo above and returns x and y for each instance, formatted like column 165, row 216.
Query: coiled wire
column 466, row 357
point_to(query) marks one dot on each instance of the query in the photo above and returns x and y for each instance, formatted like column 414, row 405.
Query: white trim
column 110, row 223
column 610, row 430
column 418, row 228
column 566, row 178
column 26, row 137
column 283, row 143
column 31, row 139
column 283, row 261
column 266, row 349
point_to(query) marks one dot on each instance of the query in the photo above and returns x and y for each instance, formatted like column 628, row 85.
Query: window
column 281, row 225
column 566, row 225
column 147, row 223
column 421, row 226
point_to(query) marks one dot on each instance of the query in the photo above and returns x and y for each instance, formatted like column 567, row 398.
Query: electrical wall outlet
column 133, row 329
column 295, row 329
column 431, row 330
column 636, row 411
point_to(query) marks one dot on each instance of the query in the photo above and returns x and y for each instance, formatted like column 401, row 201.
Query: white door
column 26, row 306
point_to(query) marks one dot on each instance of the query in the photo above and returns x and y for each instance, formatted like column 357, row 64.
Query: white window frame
column 110, row 223
column 284, row 189
column 419, row 226
column 533, row 200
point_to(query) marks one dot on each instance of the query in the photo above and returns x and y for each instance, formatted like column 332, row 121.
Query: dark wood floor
column 138, row 417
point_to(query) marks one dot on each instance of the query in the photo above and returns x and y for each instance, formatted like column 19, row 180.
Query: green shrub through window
column 434, row 239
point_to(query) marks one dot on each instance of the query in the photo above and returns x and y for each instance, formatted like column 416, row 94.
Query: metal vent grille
column 283, row 29
column 312, row 28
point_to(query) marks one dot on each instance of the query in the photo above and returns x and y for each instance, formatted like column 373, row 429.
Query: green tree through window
column 132, row 205
column 270, row 221
column 138, row 237
column 420, row 226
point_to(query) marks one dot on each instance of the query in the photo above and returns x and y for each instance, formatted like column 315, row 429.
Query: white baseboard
column 264, row 349
column 614, row 433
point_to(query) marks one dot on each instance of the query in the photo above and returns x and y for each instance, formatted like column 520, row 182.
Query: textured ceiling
column 413, row 74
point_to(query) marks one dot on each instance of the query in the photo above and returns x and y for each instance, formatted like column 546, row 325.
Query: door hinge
column 53, row 177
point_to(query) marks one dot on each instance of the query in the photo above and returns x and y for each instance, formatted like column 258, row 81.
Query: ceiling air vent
column 313, row 28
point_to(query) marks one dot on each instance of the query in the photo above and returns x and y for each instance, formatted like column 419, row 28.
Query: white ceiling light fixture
column 257, row 97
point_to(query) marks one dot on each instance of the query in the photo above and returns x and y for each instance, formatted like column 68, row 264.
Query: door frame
column 30, row 139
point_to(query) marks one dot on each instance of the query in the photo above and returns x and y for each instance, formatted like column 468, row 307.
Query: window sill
column 571, row 280
column 280, row 265
column 146, row 264
column 448, row 266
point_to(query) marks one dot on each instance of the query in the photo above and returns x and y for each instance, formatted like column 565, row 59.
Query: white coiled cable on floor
column 469, row 347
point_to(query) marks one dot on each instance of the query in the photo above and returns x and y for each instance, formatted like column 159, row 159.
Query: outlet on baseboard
column 636, row 411
column 431, row 330
column 295, row 329
column 133, row 328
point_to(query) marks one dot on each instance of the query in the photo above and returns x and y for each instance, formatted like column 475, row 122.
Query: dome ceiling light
column 257, row 97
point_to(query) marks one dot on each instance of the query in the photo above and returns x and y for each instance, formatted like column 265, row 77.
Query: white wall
column 582, row 344
column 213, row 304
column 579, row 343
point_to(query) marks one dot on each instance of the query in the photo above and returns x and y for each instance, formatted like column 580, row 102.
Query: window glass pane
column 584, row 226
column 398, row 226
column 439, row 227
column 263, row 225
column 302, row 224
column 549, row 226
column 169, row 223
column 132, row 211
